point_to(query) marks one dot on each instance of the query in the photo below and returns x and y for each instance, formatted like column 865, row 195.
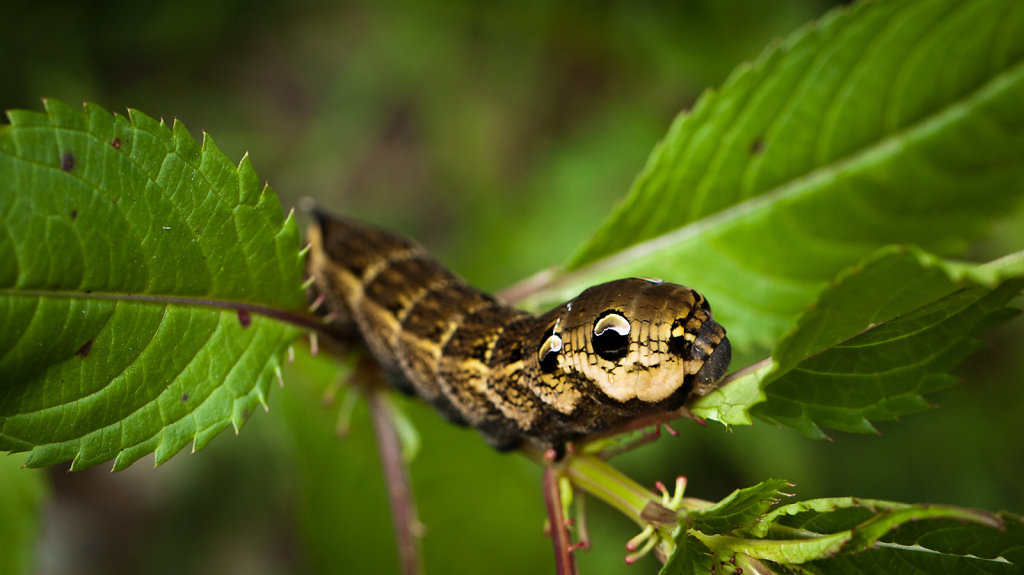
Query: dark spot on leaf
column 116, row 143
column 84, row 350
column 246, row 413
column 244, row 318
column 74, row 214
column 184, row 397
column 757, row 146
column 88, row 291
column 67, row 162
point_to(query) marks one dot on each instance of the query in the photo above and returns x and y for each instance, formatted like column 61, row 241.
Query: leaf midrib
column 921, row 549
column 295, row 317
column 806, row 183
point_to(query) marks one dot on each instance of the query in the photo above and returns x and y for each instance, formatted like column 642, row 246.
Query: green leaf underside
column 848, row 535
column 730, row 404
column 884, row 372
column 884, row 537
column 878, row 340
column 888, row 122
column 740, row 508
column 126, row 252
column 690, row 557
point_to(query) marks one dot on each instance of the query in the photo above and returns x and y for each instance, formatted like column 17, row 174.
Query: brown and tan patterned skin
column 617, row 351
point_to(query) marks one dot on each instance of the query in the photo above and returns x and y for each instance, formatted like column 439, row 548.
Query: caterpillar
column 616, row 351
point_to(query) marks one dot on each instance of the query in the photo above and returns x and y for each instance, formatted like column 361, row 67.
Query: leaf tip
column 121, row 461
column 77, row 464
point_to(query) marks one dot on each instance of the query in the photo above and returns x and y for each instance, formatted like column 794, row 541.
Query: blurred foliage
column 500, row 135
column 21, row 499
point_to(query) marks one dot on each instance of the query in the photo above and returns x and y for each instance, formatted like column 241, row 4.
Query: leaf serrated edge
column 731, row 403
column 100, row 123
column 888, row 516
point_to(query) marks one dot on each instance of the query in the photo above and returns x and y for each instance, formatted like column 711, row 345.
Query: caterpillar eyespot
column 548, row 354
column 611, row 336
column 468, row 353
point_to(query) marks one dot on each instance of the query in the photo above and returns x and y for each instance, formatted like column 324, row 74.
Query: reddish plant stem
column 648, row 436
column 582, row 532
column 403, row 507
column 564, row 563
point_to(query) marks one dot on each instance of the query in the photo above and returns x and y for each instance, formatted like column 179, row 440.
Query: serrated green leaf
column 891, row 282
column 136, row 271
column 907, row 562
column 730, row 404
column 824, row 529
column 829, row 535
column 887, row 122
column 952, row 537
column 929, row 539
column 835, row 514
column 690, row 557
column 917, row 334
column 740, row 508
column 879, row 339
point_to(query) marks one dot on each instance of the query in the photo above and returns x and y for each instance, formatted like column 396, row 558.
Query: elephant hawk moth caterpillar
column 617, row 351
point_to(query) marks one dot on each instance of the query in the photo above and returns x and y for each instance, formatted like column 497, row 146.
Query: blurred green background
column 499, row 134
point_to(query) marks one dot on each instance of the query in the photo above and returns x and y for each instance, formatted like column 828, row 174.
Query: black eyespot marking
column 756, row 147
column 611, row 335
column 74, row 214
column 116, row 143
column 549, row 350
column 67, row 162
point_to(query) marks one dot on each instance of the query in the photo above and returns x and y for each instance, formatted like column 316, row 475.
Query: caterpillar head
column 634, row 343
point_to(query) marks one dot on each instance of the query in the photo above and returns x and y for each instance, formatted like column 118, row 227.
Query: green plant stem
column 598, row 478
